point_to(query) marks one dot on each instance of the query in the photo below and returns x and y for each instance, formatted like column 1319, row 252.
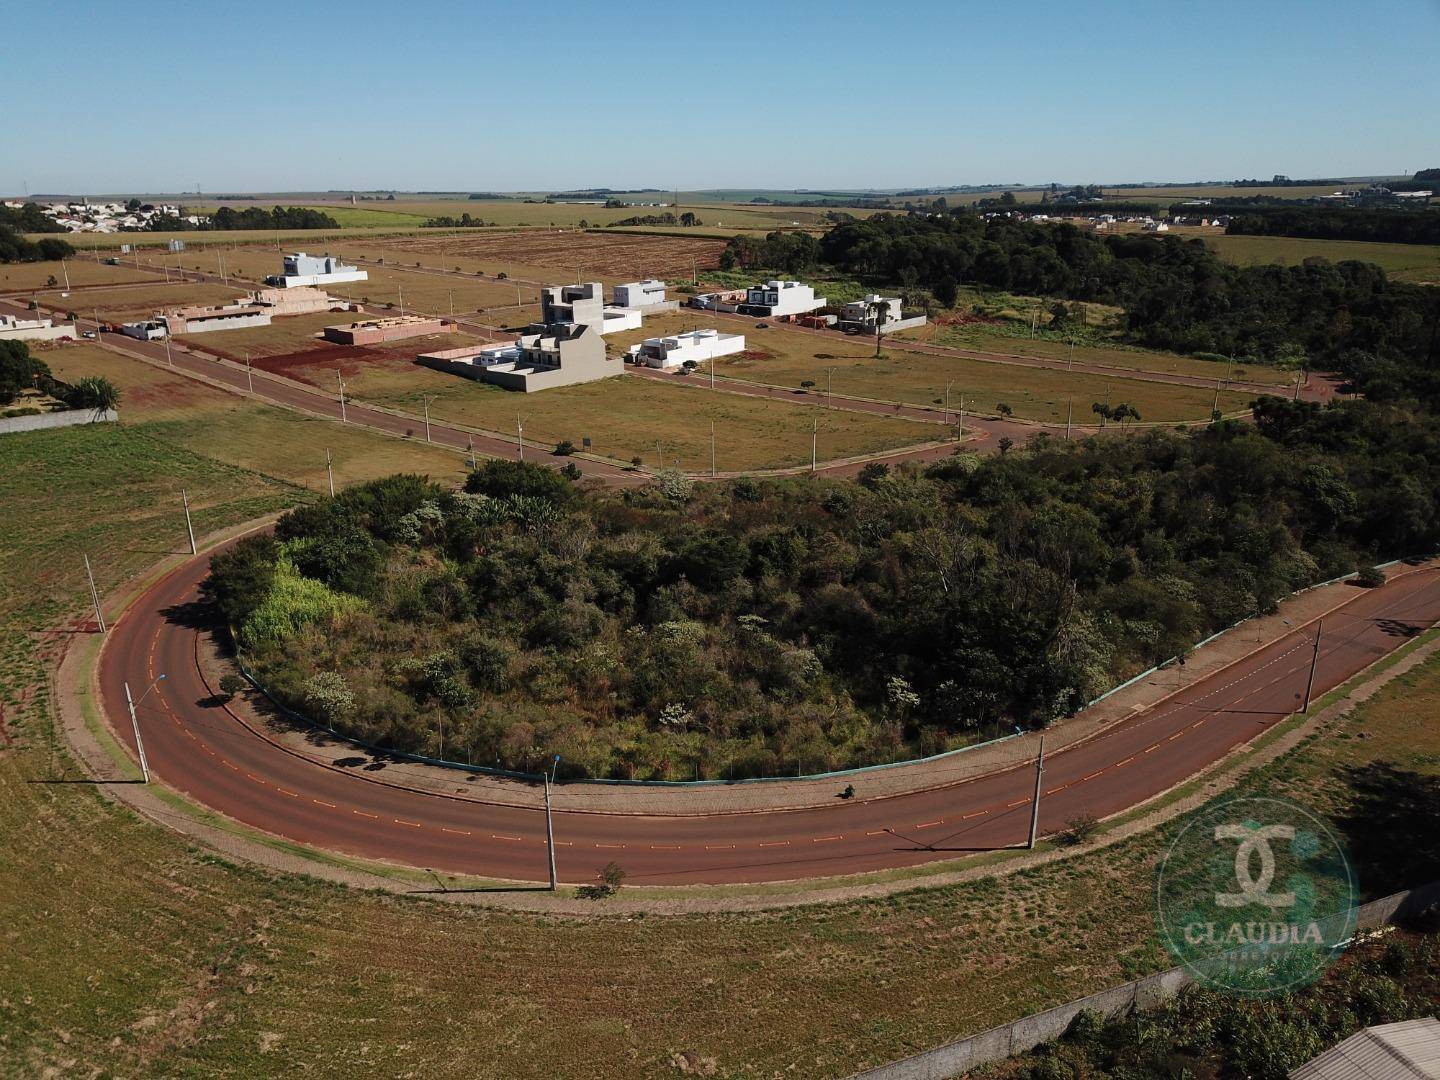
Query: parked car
column 762, row 326
column 89, row 334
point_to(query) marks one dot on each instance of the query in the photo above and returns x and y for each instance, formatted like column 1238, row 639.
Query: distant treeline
column 29, row 218
column 464, row 221
column 487, row 196
column 1090, row 209
column 252, row 217
column 1341, row 223
column 686, row 219
column 15, row 248
column 855, row 203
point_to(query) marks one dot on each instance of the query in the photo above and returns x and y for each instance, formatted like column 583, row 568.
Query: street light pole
column 426, row 402
column 712, row 449
column 135, row 726
column 329, row 472
column 1035, row 802
column 1314, row 662
column 1069, row 416
column 94, row 594
column 520, row 436
column 249, row 375
column 341, row 380
column 814, row 442
column 189, row 528
column 550, row 834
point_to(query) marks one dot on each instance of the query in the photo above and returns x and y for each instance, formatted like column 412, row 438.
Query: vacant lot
column 16, row 277
column 786, row 357
column 299, row 333
column 226, row 428
column 982, row 338
column 624, row 417
column 607, row 256
column 1419, row 263
column 138, row 302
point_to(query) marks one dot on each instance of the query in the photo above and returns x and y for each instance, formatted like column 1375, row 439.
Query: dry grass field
column 138, row 302
column 624, row 417
column 226, row 428
column 785, row 357
column 976, row 336
column 83, row 273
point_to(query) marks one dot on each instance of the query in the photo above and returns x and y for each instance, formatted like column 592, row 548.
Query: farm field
column 137, row 951
column 140, row 302
column 977, row 336
column 274, row 442
column 785, row 357
column 1417, row 263
column 610, row 257
column 624, row 417
column 15, row 277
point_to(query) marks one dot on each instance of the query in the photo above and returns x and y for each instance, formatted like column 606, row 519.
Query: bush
column 610, row 880
column 1077, row 830
column 564, row 448
column 1370, row 577
column 498, row 478
column 231, row 684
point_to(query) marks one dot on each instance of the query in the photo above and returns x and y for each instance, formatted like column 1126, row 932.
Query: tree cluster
column 17, row 248
column 29, row 218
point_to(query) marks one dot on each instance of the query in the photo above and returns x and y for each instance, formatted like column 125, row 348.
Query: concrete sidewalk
column 751, row 797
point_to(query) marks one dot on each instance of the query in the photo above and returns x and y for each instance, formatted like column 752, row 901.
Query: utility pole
column 189, row 528
column 1299, row 380
column 712, row 449
column 550, row 833
column 948, row 385
column 426, row 402
column 814, row 442
column 1314, row 662
column 249, row 375
column 1069, row 416
column 452, row 304
column 829, row 383
column 94, row 595
column 329, row 472
column 341, row 380
column 1035, row 802
column 962, row 418
column 520, row 436
column 470, row 448
column 712, row 373
column 1215, row 405
column 402, row 300
column 168, row 358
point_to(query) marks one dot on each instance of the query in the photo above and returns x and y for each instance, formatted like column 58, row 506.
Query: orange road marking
column 362, row 813
column 1155, row 747
column 876, row 832
column 977, row 813
column 255, row 778
column 1122, row 764
column 1175, row 736
column 822, row 839
column 928, row 824
column 457, row 832
column 775, row 843
column 664, row 847
column 1092, row 775
column 719, row 847
column 412, row 824
column 1017, row 802
column 610, row 845
column 497, row 836
column 284, row 792
column 230, row 765
column 322, row 802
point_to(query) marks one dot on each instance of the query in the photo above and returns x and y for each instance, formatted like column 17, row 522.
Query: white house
column 860, row 316
column 640, row 294
column 302, row 269
column 562, row 356
column 583, row 305
column 17, row 329
column 694, row 345
column 781, row 300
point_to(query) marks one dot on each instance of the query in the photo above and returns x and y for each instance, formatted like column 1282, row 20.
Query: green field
column 1418, row 263
column 81, row 272
column 625, row 417
column 140, row 953
column 785, row 357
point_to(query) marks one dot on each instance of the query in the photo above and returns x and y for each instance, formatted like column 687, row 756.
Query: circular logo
column 1254, row 896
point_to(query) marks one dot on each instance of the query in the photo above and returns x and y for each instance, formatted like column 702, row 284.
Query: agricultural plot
column 225, row 428
column 608, row 256
column 624, row 417
column 787, row 357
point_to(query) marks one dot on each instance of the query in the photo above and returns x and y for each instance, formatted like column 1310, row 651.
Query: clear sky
column 300, row 95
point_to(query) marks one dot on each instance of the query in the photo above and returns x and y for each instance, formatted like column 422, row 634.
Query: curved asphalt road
column 204, row 751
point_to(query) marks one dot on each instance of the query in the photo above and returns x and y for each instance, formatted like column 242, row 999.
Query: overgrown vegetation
column 757, row 628
column 1341, row 223
column 21, row 371
column 227, row 218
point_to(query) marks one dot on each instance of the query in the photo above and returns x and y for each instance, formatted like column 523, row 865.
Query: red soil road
column 205, row 752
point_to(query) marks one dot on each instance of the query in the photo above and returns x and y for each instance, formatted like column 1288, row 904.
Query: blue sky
column 475, row 96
